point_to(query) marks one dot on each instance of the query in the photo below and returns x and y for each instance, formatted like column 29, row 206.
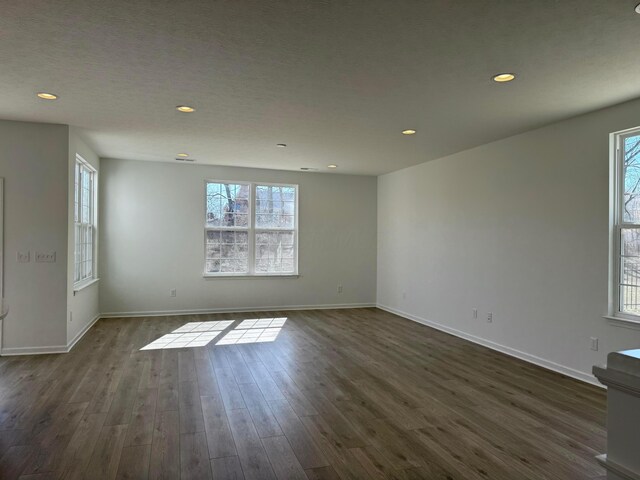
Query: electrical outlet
column 475, row 313
column 594, row 344
column 339, row 288
column 489, row 317
column 24, row 257
column 46, row 257
column 173, row 292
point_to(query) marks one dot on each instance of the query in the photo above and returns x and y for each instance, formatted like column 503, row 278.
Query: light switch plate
column 45, row 257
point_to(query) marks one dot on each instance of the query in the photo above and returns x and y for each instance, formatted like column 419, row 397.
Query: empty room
column 314, row 239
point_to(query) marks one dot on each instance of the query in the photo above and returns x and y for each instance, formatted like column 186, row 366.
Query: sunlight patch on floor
column 260, row 330
column 192, row 334
column 256, row 335
column 262, row 323
column 204, row 326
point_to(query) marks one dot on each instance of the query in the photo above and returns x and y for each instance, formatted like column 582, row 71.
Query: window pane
column 227, row 205
column 86, row 213
column 275, row 252
column 89, row 257
column 630, row 299
column 630, row 271
column 630, row 242
column 86, row 178
column 213, row 266
column 86, row 196
column 275, row 206
column 78, row 256
column 77, row 194
column 213, row 237
column 286, row 238
column 631, row 159
column 227, row 251
column 630, row 274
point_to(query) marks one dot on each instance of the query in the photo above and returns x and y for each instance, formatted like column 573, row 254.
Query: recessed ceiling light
column 409, row 132
column 638, row 8
column 281, row 145
column 47, row 96
column 308, row 169
column 185, row 109
column 332, row 166
column 183, row 155
column 504, row 77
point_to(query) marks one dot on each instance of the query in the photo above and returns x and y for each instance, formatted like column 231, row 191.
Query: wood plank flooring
column 340, row 394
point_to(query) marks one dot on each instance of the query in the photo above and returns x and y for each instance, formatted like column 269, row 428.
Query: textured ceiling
column 335, row 80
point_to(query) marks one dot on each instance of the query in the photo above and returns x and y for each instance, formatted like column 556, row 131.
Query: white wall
column 152, row 234
column 33, row 161
column 518, row 227
column 83, row 306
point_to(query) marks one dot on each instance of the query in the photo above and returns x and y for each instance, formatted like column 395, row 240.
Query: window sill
column 81, row 286
column 249, row 277
column 623, row 322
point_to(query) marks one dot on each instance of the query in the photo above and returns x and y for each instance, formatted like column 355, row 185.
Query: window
column 251, row 229
column 626, row 220
column 85, row 180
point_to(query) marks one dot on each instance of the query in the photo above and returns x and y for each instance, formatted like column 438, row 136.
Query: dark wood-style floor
column 346, row 394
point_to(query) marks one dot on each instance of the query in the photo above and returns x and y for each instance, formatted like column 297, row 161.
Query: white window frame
column 617, row 224
column 81, row 281
column 253, row 231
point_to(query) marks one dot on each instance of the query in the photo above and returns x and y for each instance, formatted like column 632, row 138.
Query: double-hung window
column 251, row 229
column 626, row 223
column 84, row 216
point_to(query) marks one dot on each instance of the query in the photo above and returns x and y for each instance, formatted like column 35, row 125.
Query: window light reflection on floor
column 254, row 331
column 192, row 334
column 204, row 326
column 200, row 334
column 256, row 335
column 262, row 323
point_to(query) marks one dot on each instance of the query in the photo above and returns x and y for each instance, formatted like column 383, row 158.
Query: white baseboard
column 81, row 333
column 541, row 362
column 164, row 313
column 7, row 352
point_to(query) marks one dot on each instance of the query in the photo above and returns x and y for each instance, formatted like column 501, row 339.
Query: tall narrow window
column 627, row 222
column 85, row 179
column 251, row 229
